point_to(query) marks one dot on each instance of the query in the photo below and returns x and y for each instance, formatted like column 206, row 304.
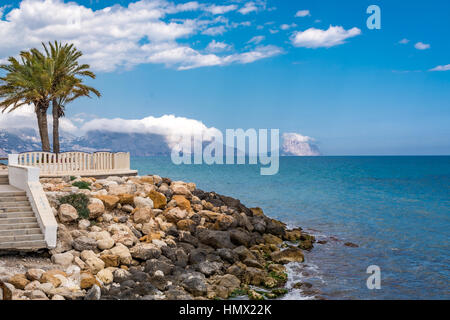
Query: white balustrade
column 73, row 162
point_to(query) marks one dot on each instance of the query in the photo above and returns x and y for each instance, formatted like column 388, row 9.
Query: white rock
column 141, row 202
column 84, row 224
column 63, row 259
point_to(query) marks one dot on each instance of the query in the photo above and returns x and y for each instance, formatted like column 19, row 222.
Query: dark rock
column 228, row 255
column 159, row 282
column 275, row 227
column 128, row 283
column 259, row 224
column 169, row 253
column 240, row 237
column 197, row 255
column 322, row 241
column 186, row 236
column 301, row 285
column 216, row 239
column 305, row 245
column 195, row 285
column 351, row 245
column 94, row 293
column 177, row 294
column 209, row 267
column 153, row 265
column 181, row 258
column 140, row 276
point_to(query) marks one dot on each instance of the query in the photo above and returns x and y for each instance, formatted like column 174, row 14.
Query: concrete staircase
column 19, row 229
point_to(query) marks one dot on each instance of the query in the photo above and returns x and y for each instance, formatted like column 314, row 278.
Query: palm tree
column 67, row 84
column 28, row 81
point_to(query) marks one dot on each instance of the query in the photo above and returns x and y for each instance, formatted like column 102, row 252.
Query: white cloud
column 24, row 117
column 403, row 41
column 217, row 46
column 248, row 8
column 302, row 13
column 256, row 39
column 317, row 38
column 441, row 68
column 421, row 46
column 288, row 26
column 214, row 9
column 214, row 31
column 112, row 38
column 296, row 144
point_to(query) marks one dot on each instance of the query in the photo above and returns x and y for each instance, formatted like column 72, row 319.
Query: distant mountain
column 138, row 144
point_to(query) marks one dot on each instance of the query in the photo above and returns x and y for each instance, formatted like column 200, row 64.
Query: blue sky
column 369, row 94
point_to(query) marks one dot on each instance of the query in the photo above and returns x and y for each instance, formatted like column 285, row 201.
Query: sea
column 395, row 208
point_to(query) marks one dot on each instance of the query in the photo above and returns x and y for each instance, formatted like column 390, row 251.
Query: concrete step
column 17, row 220
column 24, row 237
column 16, row 209
column 20, row 232
column 18, row 226
column 14, row 203
column 17, row 214
column 12, row 194
column 12, row 198
column 24, row 245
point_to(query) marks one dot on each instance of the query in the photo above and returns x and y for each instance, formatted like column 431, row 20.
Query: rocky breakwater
column 152, row 238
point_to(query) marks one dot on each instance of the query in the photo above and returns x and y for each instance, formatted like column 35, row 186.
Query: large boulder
column 145, row 251
column 142, row 215
column 96, row 208
column 288, row 255
column 182, row 202
column 195, row 285
column 175, row 214
column 67, row 213
column 109, row 201
column 123, row 253
column 215, row 239
column 63, row 259
column 19, row 281
column 64, row 240
column 121, row 189
column 84, row 243
column 159, row 199
column 141, row 202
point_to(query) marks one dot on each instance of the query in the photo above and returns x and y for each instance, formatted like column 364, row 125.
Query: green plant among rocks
column 79, row 201
column 82, row 185
column 72, row 178
column 238, row 292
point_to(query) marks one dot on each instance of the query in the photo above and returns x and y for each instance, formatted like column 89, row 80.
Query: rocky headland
column 152, row 238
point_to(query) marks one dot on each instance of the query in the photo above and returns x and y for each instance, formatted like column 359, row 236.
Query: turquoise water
column 395, row 208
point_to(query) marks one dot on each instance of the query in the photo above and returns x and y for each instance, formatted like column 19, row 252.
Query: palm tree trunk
column 55, row 112
column 41, row 114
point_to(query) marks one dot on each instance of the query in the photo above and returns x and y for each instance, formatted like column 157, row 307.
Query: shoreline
column 153, row 238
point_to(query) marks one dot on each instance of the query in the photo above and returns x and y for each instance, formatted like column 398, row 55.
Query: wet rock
column 240, row 237
column 351, row 245
column 288, row 255
column 209, row 267
column 185, row 236
column 121, row 275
